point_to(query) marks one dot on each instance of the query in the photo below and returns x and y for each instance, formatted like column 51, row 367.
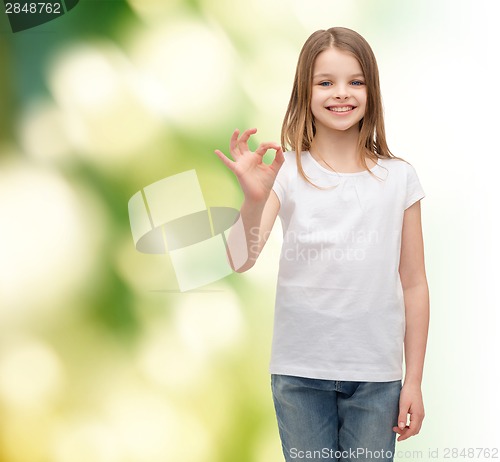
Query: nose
column 341, row 92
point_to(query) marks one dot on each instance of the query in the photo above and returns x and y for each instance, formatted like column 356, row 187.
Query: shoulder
column 403, row 176
column 394, row 162
column 398, row 166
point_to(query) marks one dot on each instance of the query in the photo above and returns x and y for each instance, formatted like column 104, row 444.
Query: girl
column 352, row 288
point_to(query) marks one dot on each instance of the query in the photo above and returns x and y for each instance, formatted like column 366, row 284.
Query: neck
column 337, row 146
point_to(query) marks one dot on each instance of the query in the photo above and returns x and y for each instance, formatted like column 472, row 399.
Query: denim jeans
column 331, row 420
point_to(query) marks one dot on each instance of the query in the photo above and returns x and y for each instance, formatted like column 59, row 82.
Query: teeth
column 340, row 109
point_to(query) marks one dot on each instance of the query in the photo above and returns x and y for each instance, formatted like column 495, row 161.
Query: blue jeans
column 331, row 420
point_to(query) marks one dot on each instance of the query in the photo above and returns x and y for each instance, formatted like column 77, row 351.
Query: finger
column 243, row 141
column 234, row 142
column 400, row 431
column 279, row 158
column 403, row 434
column 403, row 415
column 264, row 147
column 416, row 422
column 227, row 162
column 409, row 432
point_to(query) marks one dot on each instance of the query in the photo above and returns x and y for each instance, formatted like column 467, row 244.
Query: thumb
column 279, row 158
column 402, row 418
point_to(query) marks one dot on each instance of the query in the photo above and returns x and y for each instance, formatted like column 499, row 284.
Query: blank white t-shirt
column 339, row 312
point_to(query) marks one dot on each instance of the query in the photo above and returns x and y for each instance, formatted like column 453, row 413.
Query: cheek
column 364, row 98
column 362, row 104
column 316, row 101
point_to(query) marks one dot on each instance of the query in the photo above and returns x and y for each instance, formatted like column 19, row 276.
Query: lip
column 341, row 113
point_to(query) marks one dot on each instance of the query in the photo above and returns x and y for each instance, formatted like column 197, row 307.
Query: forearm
column 416, row 300
column 243, row 243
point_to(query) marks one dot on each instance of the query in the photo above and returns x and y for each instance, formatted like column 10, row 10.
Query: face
column 338, row 84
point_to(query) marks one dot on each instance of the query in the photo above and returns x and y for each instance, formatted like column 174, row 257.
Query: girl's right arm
column 259, row 209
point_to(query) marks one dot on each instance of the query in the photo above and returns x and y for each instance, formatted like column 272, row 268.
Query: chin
column 345, row 129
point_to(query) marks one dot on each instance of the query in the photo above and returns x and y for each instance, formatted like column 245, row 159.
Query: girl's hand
column 255, row 177
column 410, row 402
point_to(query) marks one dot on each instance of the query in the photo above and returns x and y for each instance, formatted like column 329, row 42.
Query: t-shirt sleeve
column 414, row 190
column 280, row 183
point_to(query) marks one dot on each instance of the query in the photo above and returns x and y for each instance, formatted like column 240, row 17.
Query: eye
column 325, row 84
column 359, row 82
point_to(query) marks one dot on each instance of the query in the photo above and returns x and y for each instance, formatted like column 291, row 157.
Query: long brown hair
column 298, row 128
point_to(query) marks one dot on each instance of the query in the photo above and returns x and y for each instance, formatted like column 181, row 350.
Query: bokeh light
column 20, row 362
column 97, row 89
column 48, row 246
column 191, row 68
column 43, row 132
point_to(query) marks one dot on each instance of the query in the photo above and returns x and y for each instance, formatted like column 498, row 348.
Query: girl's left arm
column 416, row 299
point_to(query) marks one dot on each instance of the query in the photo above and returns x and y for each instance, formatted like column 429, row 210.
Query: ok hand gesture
column 255, row 177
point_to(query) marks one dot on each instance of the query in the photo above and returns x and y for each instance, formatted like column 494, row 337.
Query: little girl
column 352, row 289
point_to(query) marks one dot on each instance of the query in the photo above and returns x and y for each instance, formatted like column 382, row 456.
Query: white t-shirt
column 340, row 311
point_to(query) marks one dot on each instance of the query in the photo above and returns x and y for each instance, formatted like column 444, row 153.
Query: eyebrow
column 329, row 75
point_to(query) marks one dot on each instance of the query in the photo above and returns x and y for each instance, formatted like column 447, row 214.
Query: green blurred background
column 102, row 359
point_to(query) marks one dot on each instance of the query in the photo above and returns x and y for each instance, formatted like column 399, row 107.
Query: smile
column 342, row 109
